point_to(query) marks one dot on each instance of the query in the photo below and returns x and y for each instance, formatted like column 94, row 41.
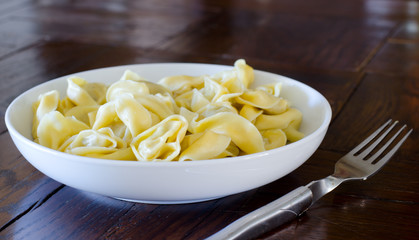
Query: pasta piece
column 185, row 100
column 191, row 117
column 65, row 105
column 54, row 129
column 230, row 81
column 214, row 108
column 82, row 113
column 250, row 113
column 169, row 101
column 124, row 154
column 274, row 138
column 280, row 107
column 263, row 100
column 97, row 91
column 92, row 117
column 189, row 138
column 279, row 121
column 273, row 88
column 130, row 75
column 216, row 93
column 107, row 117
column 121, row 130
column 102, row 144
column 198, row 101
column 132, row 113
column 126, row 86
column 242, row 132
column 244, row 72
column 87, row 142
column 213, row 90
column 208, row 146
column 231, row 151
column 152, row 88
column 212, row 96
column 46, row 103
column 193, row 100
column 181, row 84
column 161, row 106
column 292, row 132
column 77, row 94
column 162, row 141
column 257, row 98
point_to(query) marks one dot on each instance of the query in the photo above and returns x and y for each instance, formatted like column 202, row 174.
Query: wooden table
column 363, row 56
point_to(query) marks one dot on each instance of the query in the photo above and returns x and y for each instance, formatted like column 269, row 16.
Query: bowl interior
column 315, row 108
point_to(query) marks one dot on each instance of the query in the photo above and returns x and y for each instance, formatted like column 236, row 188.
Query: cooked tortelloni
column 162, row 141
column 100, row 143
column 200, row 117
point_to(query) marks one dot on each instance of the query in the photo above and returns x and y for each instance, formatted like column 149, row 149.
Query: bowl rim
column 124, row 163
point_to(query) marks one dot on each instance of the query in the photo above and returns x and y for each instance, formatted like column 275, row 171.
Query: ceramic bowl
column 171, row 182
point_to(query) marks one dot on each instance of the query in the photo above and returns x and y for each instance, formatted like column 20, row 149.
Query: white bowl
column 171, row 182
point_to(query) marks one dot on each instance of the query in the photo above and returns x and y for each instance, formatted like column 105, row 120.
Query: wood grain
column 377, row 99
column 326, row 40
column 397, row 58
column 22, row 187
column 362, row 55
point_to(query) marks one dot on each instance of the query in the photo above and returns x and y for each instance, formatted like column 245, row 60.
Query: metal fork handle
column 288, row 207
column 267, row 217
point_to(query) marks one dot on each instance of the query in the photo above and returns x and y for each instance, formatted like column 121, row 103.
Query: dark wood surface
column 362, row 55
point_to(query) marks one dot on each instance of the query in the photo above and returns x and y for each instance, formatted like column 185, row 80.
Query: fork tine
column 368, row 139
column 376, row 142
column 387, row 157
column 373, row 157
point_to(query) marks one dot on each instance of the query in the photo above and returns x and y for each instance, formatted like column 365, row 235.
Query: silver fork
column 356, row 165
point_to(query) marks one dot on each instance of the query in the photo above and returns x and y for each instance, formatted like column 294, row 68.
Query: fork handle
column 267, row 217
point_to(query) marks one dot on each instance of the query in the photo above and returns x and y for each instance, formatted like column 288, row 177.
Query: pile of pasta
column 198, row 117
